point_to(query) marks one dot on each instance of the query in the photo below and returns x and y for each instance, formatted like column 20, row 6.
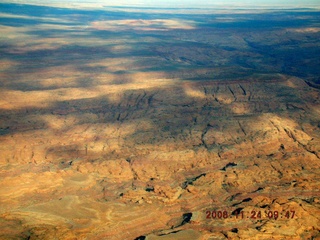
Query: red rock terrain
column 100, row 140
column 139, row 165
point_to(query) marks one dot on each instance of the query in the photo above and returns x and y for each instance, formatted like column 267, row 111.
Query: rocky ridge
column 155, row 161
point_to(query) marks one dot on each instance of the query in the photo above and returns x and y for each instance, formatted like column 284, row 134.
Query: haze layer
column 127, row 123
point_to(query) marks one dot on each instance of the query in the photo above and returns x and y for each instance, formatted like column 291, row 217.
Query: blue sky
column 203, row 3
column 181, row 3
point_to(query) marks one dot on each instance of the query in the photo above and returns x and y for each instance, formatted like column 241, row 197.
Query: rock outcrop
column 201, row 127
column 99, row 167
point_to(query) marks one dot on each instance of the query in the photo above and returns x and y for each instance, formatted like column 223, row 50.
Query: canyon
column 168, row 130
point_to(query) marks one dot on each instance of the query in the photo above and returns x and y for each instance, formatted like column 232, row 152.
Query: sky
column 227, row 2
column 182, row 3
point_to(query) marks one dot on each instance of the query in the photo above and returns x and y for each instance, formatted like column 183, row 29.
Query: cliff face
column 158, row 160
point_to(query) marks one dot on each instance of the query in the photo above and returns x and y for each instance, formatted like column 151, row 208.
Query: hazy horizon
column 179, row 3
column 157, row 120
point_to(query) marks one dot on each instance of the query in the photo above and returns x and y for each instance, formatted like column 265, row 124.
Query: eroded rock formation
column 117, row 125
column 136, row 166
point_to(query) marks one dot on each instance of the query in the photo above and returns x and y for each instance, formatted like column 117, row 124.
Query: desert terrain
column 128, row 123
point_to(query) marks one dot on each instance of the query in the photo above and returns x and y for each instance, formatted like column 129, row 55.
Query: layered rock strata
column 154, row 162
